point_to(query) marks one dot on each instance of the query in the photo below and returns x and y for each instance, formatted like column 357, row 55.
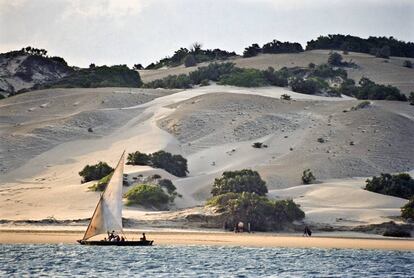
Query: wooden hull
column 116, row 243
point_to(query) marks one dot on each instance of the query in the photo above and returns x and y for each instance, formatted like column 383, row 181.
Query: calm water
column 157, row 261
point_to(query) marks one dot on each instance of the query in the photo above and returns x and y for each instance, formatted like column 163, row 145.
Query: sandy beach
column 261, row 240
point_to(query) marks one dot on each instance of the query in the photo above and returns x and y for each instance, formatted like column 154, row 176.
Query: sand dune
column 379, row 70
column 45, row 143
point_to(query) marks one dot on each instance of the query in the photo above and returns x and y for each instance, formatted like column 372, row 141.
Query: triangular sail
column 108, row 212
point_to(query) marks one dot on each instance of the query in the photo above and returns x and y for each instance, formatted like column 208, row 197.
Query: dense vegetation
column 154, row 192
column 407, row 211
column 262, row 214
column 245, row 180
column 104, row 76
column 147, row 195
column 190, row 57
column 273, row 47
column 368, row 89
column 173, row 164
column 379, row 46
column 95, row 172
column 399, row 185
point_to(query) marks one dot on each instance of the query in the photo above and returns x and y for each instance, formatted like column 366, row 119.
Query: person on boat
column 143, row 238
column 111, row 235
column 122, row 239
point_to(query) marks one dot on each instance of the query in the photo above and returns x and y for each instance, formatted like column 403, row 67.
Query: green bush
column 95, row 172
column 356, row 44
column 138, row 158
column 167, row 184
column 263, row 214
column 302, row 86
column 407, row 211
column 190, row 61
column 273, row 47
column 370, row 90
column 335, row 59
column 326, row 71
column 348, row 88
column 148, row 196
column 308, row 177
column 407, row 64
column 101, row 184
column 211, row 72
column 239, row 181
column 399, row 185
column 93, row 77
column 252, row 50
column 244, row 78
column 383, row 52
column 173, row 164
column 275, row 78
column 2, row 97
column 181, row 81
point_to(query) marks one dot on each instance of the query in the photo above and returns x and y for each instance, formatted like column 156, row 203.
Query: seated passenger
column 143, row 238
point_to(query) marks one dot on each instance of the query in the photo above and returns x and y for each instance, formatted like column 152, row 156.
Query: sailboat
column 107, row 216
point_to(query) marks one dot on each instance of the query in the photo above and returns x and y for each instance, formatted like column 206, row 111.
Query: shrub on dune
column 308, row 177
column 262, row 214
column 407, row 211
column 244, row 78
column 173, row 164
column 148, row 196
column 138, row 158
column 95, row 172
column 101, row 184
column 239, row 181
column 399, row 185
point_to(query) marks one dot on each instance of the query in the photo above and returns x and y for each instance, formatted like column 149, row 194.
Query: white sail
column 108, row 212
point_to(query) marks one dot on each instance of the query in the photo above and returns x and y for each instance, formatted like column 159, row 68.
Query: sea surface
column 199, row 261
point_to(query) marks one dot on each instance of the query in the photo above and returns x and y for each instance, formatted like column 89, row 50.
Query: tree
column 173, row 164
column 138, row 67
column 335, row 59
column 92, row 66
column 95, row 172
column 167, row 184
column 196, row 47
column 245, row 180
column 399, row 185
column 252, row 50
column 190, row 61
column 138, row 158
column 384, row 52
column 262, row 214
column 407, row 211
column 308, row 177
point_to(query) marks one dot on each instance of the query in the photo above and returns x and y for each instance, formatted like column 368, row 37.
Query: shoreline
column 216, row 238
